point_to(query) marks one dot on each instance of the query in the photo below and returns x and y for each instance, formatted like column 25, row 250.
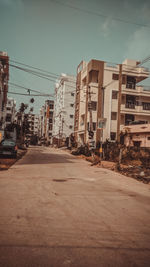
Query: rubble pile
column 82, row 150
column 138, row 172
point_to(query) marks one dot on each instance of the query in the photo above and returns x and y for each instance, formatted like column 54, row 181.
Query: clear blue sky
column 57, row 35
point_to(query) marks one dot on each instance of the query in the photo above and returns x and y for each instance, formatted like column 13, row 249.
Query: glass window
column 114, row 95
column 113, row 115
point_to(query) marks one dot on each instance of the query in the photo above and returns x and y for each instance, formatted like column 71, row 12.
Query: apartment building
column 46, row 121
column 33, row 121
column 64, row 106
column 10, row 111
column 4, row 77
column 109, row 96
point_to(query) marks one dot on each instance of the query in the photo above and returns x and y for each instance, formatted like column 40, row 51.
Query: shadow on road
column 40, row 156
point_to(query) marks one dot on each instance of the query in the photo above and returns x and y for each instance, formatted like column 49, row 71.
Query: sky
column 56, row 35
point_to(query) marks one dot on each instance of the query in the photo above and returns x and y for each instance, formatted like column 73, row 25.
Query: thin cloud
column 107, row 26
column 138, row 46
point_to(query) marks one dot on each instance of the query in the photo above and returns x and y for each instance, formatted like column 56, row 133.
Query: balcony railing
column 130, row 86
column 130, row 105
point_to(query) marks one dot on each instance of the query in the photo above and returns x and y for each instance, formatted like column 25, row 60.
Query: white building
column 64, row 108
column 36, row 125
column 114, row 95
column 10, row 111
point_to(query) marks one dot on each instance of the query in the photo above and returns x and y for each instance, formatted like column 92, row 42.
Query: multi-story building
column 10, row 111
column 33, row 121
column 4, row 77
column 41, row 122
column 109, row 94
column 46, row 121
column 64, row 106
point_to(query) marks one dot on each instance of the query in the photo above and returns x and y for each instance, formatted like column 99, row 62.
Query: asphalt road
column 58, row 211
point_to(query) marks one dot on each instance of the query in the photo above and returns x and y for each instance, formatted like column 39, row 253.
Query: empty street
column 56, row 210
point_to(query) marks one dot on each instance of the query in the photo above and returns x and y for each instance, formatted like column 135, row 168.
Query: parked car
column 8, row 147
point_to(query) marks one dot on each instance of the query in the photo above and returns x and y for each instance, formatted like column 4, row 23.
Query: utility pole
column 90, row 110
column 62, row 126
column 91, row 133
column 102, row 118
column 119, row 102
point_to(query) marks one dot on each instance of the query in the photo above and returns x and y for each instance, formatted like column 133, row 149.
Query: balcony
column 130, row 105
column 138, row 90
column 130, row 86
column 131, row 108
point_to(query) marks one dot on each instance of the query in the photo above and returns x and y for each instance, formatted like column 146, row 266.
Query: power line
column 41, row 75
column 14, row 93
column 144, row 61
column 48, row 72
column 99, row 14
column 25, row 88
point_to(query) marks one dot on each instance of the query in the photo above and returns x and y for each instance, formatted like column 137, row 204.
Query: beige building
column 137, row 135
column 111, row 94
column 46, row 121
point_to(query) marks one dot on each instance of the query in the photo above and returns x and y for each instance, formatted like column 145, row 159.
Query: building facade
column 137, row 135
column 109, row 97
column 46, row 121
column 64, row 107
column 10, row 113
column 4, row 77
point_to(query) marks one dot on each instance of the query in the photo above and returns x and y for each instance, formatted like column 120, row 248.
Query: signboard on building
column 101, row 123
column 92, row 144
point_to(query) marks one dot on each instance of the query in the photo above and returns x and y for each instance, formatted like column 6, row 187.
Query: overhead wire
column 26, row 88
column 99, row 14
column 14, row 93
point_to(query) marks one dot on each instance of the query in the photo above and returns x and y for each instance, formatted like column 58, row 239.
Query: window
column 82, row 119
column 51, row 120
column 146, row 106
column 94, row 126
column 51, row 114
column 115, row 76
column 131, row 82
column 51, row 106
column 8, row 118
column 148, row 137
column 72, row 105
column 94, row 105
column 93, row 76
column 70, row 126
column 113, row 136
column 71, row 116
column 50, row 127
column 114, row 95
column 113, row 115
column 72, row 94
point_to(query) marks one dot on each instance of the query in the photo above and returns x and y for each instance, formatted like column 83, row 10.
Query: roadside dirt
column 6, row 163
column 131, row 168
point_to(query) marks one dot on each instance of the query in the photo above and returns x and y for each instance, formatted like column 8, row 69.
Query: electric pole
column 90, row 130
column 119, row 102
